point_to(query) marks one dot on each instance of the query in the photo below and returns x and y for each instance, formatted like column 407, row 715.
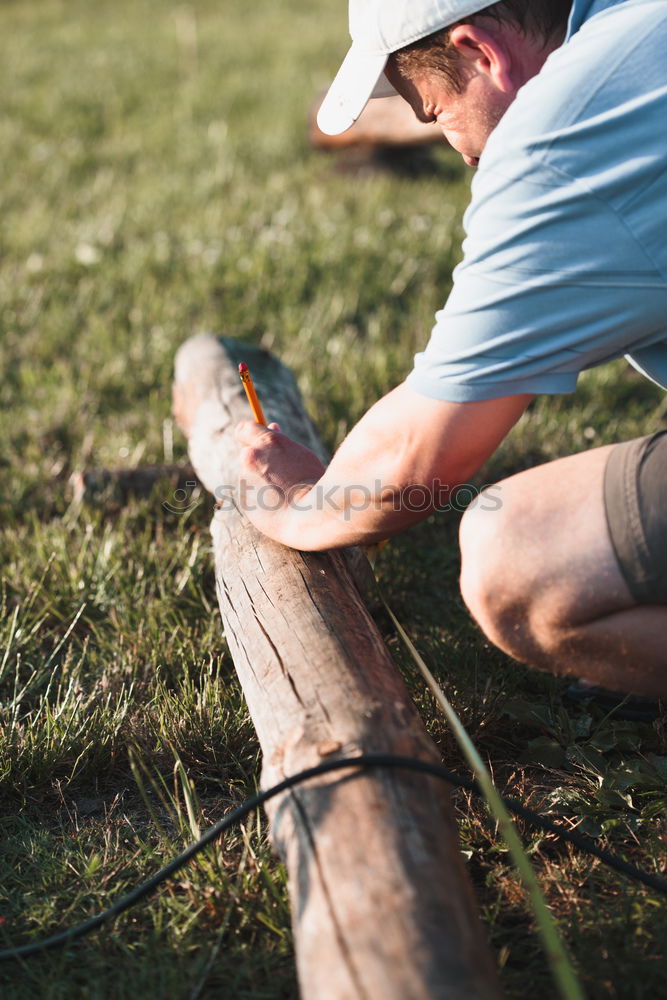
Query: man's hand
column 400, row 462
column 275, row 474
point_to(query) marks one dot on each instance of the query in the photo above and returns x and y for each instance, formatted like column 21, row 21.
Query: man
column 563, row 108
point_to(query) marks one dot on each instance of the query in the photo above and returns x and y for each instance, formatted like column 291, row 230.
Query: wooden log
column 115, row 487
column 381, row 905
column 384, row 122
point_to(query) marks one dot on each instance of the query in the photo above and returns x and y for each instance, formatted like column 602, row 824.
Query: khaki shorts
column 635, row 494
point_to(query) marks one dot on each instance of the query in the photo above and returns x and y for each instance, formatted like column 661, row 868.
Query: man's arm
column 396, row 466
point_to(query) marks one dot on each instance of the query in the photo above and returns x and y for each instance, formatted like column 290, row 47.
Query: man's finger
column 248, row 432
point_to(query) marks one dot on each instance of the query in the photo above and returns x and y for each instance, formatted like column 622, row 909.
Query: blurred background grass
column 156, row 180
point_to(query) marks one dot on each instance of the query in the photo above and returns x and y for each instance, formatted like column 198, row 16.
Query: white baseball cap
column 377, row 28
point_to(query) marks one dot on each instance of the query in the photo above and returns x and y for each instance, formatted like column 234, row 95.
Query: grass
column 156, row 181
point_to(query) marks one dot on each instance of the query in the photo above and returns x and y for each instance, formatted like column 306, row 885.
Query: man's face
column 494, row 62
column 466, row 119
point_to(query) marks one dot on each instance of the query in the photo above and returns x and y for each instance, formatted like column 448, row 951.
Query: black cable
column 366, row 760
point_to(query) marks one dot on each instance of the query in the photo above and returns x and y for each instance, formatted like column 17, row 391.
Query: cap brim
column 360, row 77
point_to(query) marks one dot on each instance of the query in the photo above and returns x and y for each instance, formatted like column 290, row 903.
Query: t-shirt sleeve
column 539, row 296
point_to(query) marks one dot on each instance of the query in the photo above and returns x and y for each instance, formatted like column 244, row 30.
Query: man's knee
column 505, row 581
column 487, row 576
column 500, row 575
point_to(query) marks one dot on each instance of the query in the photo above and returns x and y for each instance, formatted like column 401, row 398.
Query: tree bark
column 381, row 904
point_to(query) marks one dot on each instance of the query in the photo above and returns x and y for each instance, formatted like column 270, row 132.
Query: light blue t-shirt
column 565, row 258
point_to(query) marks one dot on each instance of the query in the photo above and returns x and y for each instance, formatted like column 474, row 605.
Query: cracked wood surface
column 381, row 905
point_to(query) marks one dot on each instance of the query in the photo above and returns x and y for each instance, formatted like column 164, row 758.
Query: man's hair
column 544, row 20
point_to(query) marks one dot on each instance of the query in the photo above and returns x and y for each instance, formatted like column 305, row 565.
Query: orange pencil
column 255, row 405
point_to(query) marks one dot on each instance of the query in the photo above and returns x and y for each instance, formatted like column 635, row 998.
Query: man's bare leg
column 542, row 580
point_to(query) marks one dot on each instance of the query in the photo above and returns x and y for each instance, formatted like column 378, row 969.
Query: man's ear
column 484, row 52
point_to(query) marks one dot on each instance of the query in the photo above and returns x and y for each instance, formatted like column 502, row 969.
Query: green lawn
column 156, row 181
